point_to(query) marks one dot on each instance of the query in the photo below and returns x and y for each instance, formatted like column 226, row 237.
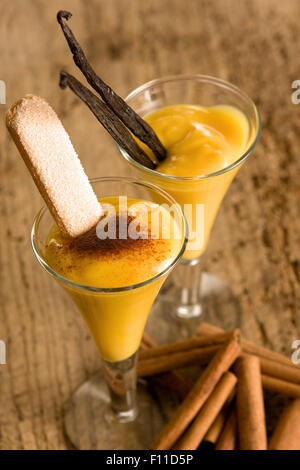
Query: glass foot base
column 90, row 423
column 171, row 320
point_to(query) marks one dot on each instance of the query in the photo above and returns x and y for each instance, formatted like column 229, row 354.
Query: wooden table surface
column 255, row 241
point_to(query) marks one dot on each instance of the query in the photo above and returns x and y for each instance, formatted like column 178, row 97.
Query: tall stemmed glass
column 191, row 287
column 104, row 412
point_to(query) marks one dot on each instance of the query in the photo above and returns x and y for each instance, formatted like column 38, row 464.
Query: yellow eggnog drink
column 200, row 141
column 128, row 247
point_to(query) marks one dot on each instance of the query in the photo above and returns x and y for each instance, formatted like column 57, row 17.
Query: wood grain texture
column 256, row 238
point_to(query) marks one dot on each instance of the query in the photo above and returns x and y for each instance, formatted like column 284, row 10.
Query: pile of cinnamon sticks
column 225, row 406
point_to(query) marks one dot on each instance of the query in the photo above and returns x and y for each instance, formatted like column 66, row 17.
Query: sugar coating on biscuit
column 55, row 165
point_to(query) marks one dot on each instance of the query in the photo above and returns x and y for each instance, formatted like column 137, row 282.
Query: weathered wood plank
column 255, row 242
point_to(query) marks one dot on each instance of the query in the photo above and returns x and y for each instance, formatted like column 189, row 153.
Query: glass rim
column 76, row 285
column 203, row 78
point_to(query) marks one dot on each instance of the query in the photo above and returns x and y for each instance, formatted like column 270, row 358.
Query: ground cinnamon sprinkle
column 90, row 243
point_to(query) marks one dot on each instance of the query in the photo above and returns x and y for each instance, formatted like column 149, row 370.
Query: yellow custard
column 117, row 319
column 199, row 141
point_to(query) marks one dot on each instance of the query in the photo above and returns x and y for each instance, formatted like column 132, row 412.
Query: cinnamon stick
column 217, row 426
column 202, row 389
column 272, row 363
column 289, row 372
column 227, row 439
column 197, row 356
column 281, row 386
column 250, row 347
column 172, row 380
column 147, row 342
column 172, row 360
column 250, row 404
column 213, row 405
column 215, row 429
column 286, row 435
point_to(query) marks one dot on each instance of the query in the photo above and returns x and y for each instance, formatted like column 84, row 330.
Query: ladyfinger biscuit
column 54, row 165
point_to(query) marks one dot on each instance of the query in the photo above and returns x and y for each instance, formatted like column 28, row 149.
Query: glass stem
column 121, row 377
column 187, row 278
